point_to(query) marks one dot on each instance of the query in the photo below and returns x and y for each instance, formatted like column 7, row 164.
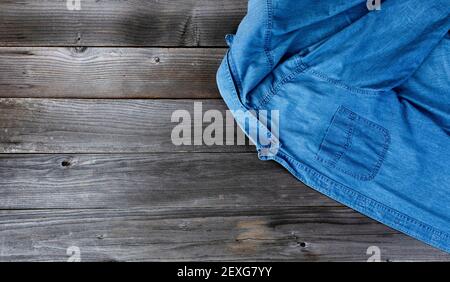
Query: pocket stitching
column 338, row 155
column 381, row 156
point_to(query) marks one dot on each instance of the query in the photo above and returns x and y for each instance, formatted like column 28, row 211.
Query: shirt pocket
column 354, row 145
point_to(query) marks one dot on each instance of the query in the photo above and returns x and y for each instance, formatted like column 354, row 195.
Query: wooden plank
column 99, row 126
column 109, row 72
column 231, row 234
column 119, row 22
column 179, row 207
column 148, row 180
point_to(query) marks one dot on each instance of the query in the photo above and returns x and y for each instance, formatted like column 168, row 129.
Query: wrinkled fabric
column 363, row 99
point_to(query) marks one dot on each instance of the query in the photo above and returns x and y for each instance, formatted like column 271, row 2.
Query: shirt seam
column 361, row 203
column 435, row 232
column 340, row 84
column 268, row 34
column 299, row 68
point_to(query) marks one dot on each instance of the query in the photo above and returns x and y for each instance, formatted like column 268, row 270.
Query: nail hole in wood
column 302, row 244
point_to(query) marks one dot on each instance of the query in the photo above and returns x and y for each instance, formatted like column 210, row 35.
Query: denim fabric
column 364, row 102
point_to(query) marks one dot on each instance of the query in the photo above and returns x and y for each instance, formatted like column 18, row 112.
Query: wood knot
column 80, row 49
column 156, row 60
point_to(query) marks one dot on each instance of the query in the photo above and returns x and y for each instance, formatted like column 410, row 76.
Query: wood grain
column 109, row 72
column 119, row 22
column 231, row 234
column 148, row 180
column 99, row 126
column 99, row 171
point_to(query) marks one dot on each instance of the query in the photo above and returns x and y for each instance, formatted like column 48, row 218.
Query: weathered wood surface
column 109, row 72
column 98, row 126
column 103, row 174
column 191, row 206
column 119, row 22
column 148, row 180
column 234, row 233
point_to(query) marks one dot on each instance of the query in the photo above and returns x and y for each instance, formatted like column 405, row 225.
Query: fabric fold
column 363, row 102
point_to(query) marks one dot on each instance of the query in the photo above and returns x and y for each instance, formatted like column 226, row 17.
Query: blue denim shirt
column 363, row 100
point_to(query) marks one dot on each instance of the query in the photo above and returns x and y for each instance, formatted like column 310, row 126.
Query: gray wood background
column 86, row 158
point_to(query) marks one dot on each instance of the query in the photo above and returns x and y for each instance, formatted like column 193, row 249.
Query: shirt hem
column 333, row 189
